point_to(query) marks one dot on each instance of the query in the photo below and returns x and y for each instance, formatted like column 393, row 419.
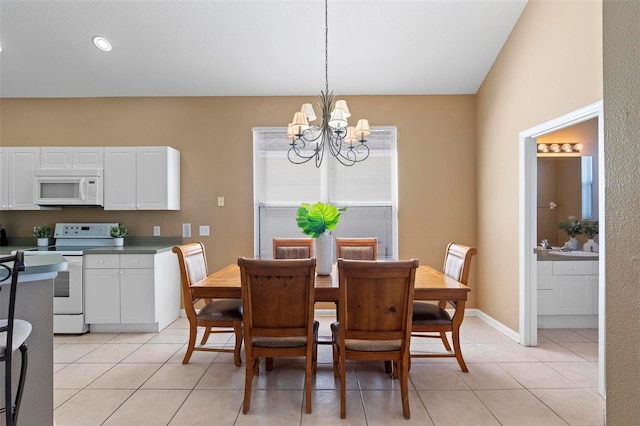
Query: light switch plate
column 204, row 230
column 220, row 201
column 156, row 231
column 186, row 230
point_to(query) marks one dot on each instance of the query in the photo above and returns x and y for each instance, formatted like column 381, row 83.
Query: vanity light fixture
column 102, row 43
column 560, row 148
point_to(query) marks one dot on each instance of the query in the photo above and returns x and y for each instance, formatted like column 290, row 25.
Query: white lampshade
column 343, row 106
column 362, row 129
column 308, row 111
column 300, row 123
column 351, row 137
column 338, row 119
column 290, row 134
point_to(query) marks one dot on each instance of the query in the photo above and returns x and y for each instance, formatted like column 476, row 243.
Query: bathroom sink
column 574, row 253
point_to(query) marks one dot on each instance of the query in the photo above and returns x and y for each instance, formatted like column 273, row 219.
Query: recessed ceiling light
column 102, row 43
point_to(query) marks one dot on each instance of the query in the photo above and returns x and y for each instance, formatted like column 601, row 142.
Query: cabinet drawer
column 101, row 261
column 544, row 267
column 573, row 268
column 134, row 261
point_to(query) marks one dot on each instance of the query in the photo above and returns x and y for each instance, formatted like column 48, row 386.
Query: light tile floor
column 138, row 379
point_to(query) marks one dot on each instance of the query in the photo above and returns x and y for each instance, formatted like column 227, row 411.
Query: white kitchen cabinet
column 142, row 178
column 567, row 293
column 131, row 292
column 72, row 158
column 4, row 179
column 17, row 188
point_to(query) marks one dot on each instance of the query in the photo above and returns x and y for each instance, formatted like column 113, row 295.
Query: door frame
column 528, row 321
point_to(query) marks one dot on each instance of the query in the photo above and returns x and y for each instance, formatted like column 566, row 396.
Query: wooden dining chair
column 278, row 298
column 374, row 318
column 292, row 248
column 357, row 248
column 429, row 318
column 216, row 316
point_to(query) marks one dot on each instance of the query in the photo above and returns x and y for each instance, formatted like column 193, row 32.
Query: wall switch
column 220, row 201
column 156, row 231
column 186, row 230
column 204, row 230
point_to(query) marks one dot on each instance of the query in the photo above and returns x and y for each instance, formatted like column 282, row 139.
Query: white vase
column 323, row 251
column 118, row 242
column 43, row 242
column 574, row 243
column 591, row 246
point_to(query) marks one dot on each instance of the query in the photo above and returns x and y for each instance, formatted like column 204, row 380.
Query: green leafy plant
column 572, row 226
column 43, row 232
column 118, row 231
column 315, row 219
column 590, row 229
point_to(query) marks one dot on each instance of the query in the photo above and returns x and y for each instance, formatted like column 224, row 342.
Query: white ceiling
column 249, row 47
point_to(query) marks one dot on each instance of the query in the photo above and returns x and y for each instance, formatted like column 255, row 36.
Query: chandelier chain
column 326, row 46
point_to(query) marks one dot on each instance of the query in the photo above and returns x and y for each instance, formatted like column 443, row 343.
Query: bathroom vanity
column 567, row 290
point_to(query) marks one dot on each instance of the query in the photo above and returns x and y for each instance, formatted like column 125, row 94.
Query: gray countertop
column 39, row 267
column 126, row 249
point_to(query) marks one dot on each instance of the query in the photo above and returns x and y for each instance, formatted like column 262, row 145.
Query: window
column 367, row 189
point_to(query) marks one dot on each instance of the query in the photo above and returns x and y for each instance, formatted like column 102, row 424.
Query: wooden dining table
column 430, row 284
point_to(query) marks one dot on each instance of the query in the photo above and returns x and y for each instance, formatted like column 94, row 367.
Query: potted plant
column 572, row 227
column 118, row 233
column 43, row 233
column 315, row 220
column 590, row 229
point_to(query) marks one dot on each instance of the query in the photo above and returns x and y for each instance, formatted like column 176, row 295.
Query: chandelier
column 346, row 143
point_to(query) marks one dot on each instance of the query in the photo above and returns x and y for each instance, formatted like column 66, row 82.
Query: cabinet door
column 4, row 179
column 21, row 188
column 88, row 158
column 158, row 178
column 575, row 294
column 137, row 298
column 56, row 157
column 102, row 296
column 120, row 178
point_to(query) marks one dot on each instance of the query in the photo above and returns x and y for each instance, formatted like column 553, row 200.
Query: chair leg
column 193, row 330
column 335, row 360
column 343, row 387
column 23, row 375
column 237, row 355
column 8, row 403
column 268, row 363
column 307, row 382
column 455, row 336
column 205, row 336
column 388, row 367
column 404, row 389
column 445, row 341
column 248, row 380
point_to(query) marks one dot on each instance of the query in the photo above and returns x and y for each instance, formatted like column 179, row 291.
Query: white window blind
column 368, row 190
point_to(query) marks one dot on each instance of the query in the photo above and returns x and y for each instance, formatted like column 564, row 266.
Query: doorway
column 528, row 225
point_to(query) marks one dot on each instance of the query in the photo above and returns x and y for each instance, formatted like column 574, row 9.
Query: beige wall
column 550, row 65
column 436, row 201
column 622, row 177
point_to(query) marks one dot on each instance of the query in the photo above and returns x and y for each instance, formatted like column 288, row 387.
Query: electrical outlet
column 204, row 230
column 156, row 231
column 220, row 201
column 186, row 230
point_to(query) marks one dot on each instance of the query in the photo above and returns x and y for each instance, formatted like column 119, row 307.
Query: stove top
column 59, row 250
column 74, row 238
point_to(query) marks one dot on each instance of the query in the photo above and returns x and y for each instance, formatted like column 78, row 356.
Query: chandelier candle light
column 345, row 143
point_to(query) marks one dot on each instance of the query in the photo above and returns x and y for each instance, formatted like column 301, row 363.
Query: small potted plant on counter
column 590, row 229
column 43, row 233
column 118, row 233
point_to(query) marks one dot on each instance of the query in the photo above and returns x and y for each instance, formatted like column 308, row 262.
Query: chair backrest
column 357, row 248
column 11, row 272
column 193, row 268
column 457, row 262
column 277, row 297
column 292, row 248
column 376, row 299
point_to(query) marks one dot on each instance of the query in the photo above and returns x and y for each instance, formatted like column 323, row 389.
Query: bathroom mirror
column 566, row 188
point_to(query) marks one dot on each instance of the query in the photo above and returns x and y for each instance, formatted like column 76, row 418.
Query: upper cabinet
column 72, row 158
column 17, row 169
column 141, row 178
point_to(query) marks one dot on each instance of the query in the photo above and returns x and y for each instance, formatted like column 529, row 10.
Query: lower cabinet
column 131, row 292
column 567, row 294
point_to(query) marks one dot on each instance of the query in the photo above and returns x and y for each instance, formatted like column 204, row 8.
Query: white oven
column 68, row 187
column 72, row 240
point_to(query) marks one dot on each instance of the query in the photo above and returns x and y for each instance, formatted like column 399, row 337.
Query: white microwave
column 63, row 187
